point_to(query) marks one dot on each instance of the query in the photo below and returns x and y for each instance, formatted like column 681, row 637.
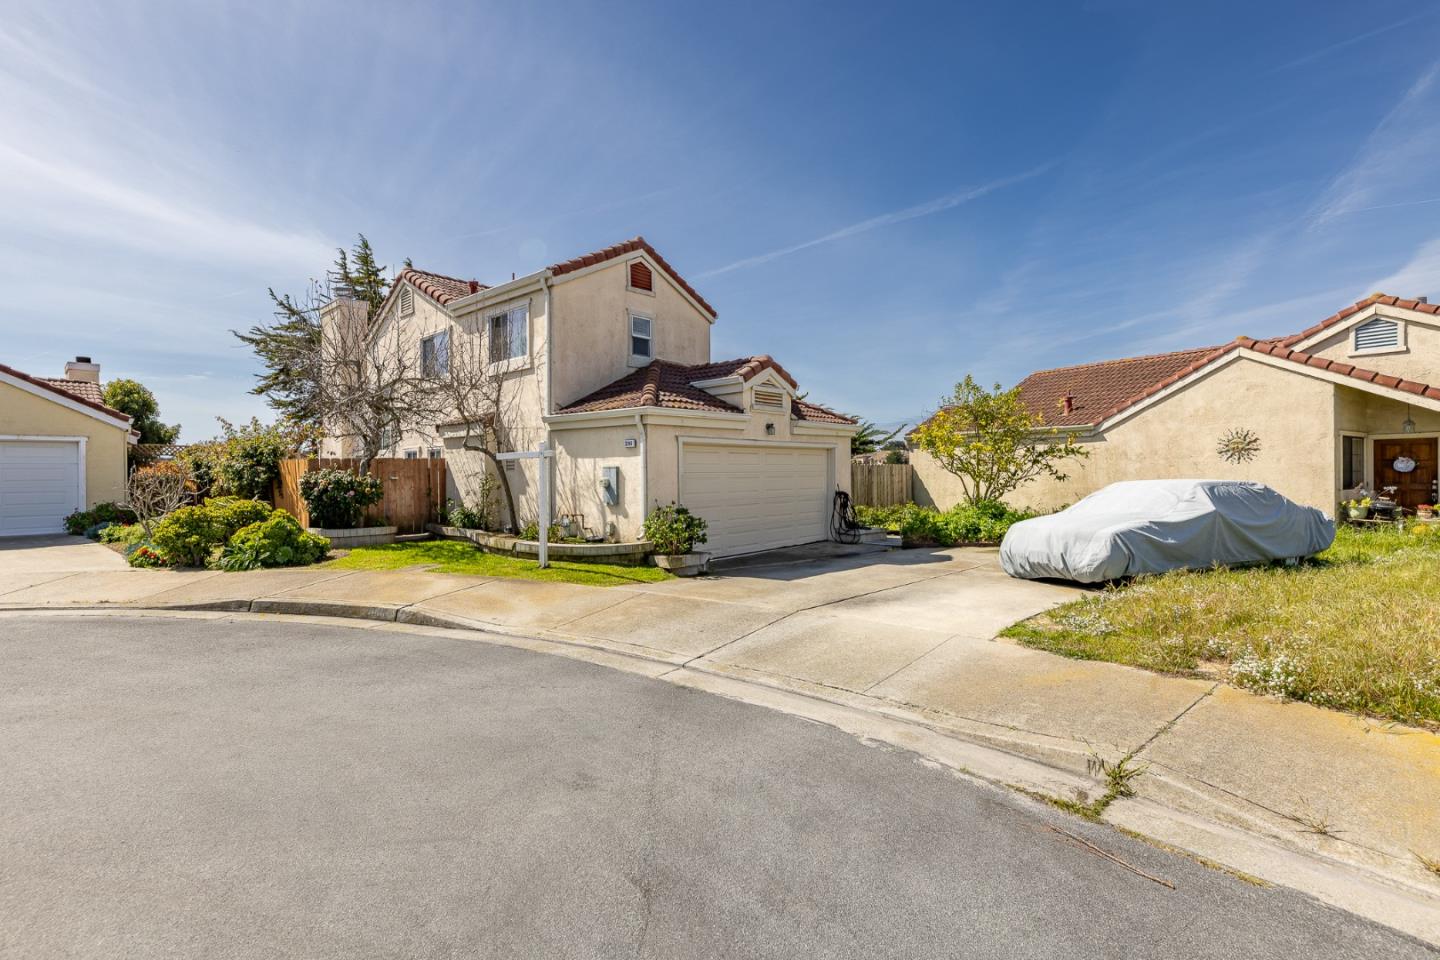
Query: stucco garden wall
column 1293, row 416
column 106, row 447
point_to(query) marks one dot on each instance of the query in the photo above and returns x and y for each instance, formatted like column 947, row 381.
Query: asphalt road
column 185, row 788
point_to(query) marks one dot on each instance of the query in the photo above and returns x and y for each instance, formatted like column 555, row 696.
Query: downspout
column 549, row 350
column 644, row 468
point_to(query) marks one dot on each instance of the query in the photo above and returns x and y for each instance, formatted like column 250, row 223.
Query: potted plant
column 1425, row 511
column 675, row 532
column 1357, row 509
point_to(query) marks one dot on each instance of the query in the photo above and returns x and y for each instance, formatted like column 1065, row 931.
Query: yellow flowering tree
column 992, row 442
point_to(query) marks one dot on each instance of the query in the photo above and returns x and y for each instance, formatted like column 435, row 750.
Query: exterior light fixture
column 1409, row 425
column 770, row 428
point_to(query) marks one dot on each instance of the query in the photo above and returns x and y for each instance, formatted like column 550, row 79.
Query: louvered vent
column 1377, row 334
column 769, row 399
column 640, row 276
column 407, row 301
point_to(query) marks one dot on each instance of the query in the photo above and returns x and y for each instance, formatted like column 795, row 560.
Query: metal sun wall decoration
column 1238, row 446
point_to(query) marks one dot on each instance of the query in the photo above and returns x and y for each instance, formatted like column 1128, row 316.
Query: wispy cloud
column 940, row 204
column 1402, row 146
column 1420, row 275
column 1325, row 51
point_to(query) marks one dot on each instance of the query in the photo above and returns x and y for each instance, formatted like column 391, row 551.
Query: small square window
column 436, row 453
column 412, row 454
column 435, row 355
column 641, row 341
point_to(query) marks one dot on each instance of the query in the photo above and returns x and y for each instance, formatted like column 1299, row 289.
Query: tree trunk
column 504, row 486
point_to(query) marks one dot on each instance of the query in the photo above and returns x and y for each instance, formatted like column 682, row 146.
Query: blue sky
column 883, row 196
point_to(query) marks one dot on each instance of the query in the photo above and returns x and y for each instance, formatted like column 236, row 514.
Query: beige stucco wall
column 26, row 414
column 1292, row 414
column 592, row 328
column 1418, row 361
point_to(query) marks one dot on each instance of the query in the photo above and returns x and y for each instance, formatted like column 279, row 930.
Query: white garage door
column 39, row 485
column 757, row 497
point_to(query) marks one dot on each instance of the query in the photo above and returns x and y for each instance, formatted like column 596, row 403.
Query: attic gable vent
column 406, row 306
column 640, row 276
column 769, row 399
column 1377, row 334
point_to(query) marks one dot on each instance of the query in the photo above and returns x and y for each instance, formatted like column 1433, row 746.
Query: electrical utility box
column 610, row 485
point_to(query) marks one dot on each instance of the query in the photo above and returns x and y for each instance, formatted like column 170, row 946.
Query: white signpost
column 543, row 454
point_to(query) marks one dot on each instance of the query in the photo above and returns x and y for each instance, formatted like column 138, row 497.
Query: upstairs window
column 640, row 276
column 510, row 334
column 767, row 398
column 642, row 346
column 406, row 306
column 1377, row 334
column 435, row 355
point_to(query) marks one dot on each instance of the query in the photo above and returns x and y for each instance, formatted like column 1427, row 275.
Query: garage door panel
column 754, row 498
column 39, row 485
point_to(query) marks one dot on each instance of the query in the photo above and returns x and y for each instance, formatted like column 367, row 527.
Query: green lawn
column 1356, row 629
column 452, row 556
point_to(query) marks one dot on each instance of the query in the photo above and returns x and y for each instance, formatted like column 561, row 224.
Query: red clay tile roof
column 83, row 389
column 1355, row 308
column 672, row 386
column 54, row 387
column 438, row 287
column 620, row 250
column 1096, row 388
column 1101, row 390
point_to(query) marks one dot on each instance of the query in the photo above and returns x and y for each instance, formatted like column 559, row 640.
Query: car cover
column 1150, row 526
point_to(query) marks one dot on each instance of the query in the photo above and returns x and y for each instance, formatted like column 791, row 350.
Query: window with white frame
column 435, row 355
column 1352, row 462
column 436, row 453
column 1377, row 334
column 412, row 454
column 510, row 334
column 642, row 346
column 387, row 438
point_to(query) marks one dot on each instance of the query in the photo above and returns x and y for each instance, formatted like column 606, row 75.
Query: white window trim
column 654, row 272
column 1400, row 346
column 635, row 359
column 426, row 339
column 509, row 364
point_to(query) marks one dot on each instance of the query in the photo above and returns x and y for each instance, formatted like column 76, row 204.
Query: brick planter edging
column 356, row 537
column 631, row 552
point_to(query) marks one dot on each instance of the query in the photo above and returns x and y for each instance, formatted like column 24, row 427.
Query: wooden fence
column 880, row 484
column 414, row 490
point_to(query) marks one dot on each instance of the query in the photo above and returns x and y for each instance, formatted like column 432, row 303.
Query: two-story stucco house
column 1351, row 402
column 607, row 357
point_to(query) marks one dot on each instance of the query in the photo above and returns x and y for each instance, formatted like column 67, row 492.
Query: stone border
column 357, row 537
column 632, row 552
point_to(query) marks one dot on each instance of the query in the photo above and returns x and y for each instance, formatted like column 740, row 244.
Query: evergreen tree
column 134, row 398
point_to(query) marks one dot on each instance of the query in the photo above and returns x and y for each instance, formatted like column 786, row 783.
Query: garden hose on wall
column 844, row 527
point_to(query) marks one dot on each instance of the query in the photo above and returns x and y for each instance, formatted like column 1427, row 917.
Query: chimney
column 1422, row 299
column 82, row 369
column 1067, row 403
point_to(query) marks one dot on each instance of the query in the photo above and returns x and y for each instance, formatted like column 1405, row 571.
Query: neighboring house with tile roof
column 607, row 357
column 1334, row 407
column 61, row 447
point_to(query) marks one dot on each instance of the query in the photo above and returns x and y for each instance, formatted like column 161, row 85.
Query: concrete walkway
column 908, row 636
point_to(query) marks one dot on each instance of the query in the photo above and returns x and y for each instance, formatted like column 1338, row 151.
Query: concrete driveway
column 27, row 558
column 207, row 788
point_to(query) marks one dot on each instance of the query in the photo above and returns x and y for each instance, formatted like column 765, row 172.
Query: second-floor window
column 509, row 334
column 642, row 345
column 435, row 355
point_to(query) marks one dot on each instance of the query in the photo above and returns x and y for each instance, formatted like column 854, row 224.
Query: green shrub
column 80, row 521
column 250, row 463
column 337, row 498
column 186, row 537
column 983, row 522
column 230, row 514
column 130, row 534
column 674, row 530
column 456, row 514
column 531, row 532
column 203, row 461
column 278, row 541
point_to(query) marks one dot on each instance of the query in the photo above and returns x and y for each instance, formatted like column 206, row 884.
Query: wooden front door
column 1415, row 487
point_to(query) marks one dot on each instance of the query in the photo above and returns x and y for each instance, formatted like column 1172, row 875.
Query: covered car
column 1150, row 526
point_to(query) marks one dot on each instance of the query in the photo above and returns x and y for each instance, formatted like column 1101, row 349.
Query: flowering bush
column 337, row 499
column 278, row 541
column 109, row 512
column 145, row 556
column 674, row 530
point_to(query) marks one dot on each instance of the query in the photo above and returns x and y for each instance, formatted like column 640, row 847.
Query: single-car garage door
column 39, row 485
column 757, row 496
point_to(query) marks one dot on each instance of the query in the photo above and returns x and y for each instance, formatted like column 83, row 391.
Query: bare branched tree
column 155, row 491
column 467, row 395
column 369, row 384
